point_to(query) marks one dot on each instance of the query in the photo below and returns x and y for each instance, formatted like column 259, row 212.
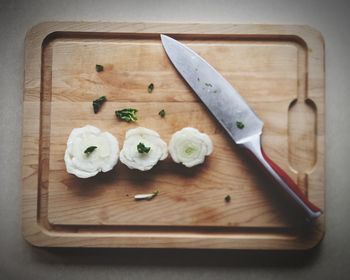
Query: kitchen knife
column 233, row 113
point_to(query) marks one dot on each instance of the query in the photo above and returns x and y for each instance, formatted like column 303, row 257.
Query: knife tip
column 164, row 38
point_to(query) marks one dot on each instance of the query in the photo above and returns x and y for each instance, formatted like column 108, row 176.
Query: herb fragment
column 128, row 114
column 227, row 198
column 141, row 148
column 162, row 113
column 148, row 196
column 99, row 68
column 150, row 88
column 240, row 125
column 89, row 150
column 96, row 104
column 208, row 84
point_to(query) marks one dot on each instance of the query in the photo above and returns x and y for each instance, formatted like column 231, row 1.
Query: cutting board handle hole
column 302, row 131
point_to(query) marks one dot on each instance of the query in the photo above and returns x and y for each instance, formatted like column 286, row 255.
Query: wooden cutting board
column 279, row 70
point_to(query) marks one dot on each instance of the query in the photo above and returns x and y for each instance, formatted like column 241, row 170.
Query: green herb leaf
column 89, row 150
column 96, row 104
column 128, row 114
column 141, row 148
column 227, row 198
column 240, row 125
column 99, row 68
column 150, row 88
column 162, row 113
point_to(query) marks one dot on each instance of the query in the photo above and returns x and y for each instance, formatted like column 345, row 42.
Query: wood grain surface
column 279, row 70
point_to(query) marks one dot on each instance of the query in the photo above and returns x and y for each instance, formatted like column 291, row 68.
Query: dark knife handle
column 253, row 145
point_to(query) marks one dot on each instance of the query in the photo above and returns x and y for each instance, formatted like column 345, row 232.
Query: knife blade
column 234, row 114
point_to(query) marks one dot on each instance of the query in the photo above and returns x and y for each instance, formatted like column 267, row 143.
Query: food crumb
column 99, row 68
column 150, row 88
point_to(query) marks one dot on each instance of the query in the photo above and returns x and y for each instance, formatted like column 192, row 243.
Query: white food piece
column 190, row 147
column 103, row 158
column 147, row 196
column 130, row 156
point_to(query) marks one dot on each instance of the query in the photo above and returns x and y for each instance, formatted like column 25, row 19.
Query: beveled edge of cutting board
column 39, row 234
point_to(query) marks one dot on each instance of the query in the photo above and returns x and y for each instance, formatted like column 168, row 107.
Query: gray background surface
column 330, row 260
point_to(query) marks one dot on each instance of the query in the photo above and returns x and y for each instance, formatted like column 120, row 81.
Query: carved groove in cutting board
column 70, row 59
column 44, row 137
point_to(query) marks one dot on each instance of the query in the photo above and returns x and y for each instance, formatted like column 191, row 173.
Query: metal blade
column 222, row 100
